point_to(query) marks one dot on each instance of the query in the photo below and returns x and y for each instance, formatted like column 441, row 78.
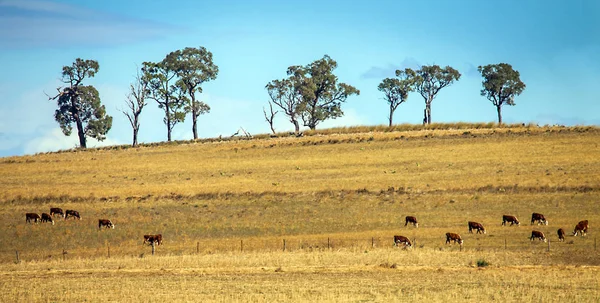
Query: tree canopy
column 80, row 104
column 395, row 93
column 501, row 83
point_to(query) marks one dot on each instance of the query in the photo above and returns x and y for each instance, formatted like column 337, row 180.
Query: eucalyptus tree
column 80, row 104
column 286, row 96
column 395, row 92
column 501, row 83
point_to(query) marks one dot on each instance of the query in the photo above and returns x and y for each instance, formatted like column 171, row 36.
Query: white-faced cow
column 105, row 223
column 47, row 218
column 453, row 237
column 581, row 228
column 537, row 235
column 510, row 219
column 476, row 226
column 72, row 213
column 56, row 211
column 561, row 234
column 32, row 218
column 412, row 220
column 156, row 239
column 539, row 218
column 402, row 240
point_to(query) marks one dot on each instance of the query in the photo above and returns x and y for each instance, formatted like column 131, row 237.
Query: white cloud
column 55, row 140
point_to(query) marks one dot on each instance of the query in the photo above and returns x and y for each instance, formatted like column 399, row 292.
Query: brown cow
column 453, row 237
column 56, row 211
column 412, row 220
column 511, row 219
column 537, row 235
column 561, row 234
column 581, row 227
column 157, row 239
column 402, row 239
column 72, row 213
column 477, row 226
column 105, row 223
column 47, row 218
column 32, row 217
column 539, row 218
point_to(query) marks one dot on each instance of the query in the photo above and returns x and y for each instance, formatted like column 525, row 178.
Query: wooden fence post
column 548, row 244
column 372, row 242
column 64, row 253
column 153, row 244
column 328, row 244
column 505, row 243
column 594, row 243
column 241, row 245
column 18, row 261
column 108, row 249
column 197, row 247
column 283, row 244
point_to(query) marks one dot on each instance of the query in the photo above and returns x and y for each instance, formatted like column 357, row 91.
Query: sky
column 553, row 44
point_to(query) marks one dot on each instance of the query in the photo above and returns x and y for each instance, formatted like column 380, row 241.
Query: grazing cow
column 29, row 217
column 510, row 219
column 47, row 218
column 537, row 235
column 412, row 220
column 477, row 226
column 56, row 211
column 453, row 237
column 581, row 227
column 402, row 239
column 157, row 239
column 72, row 213
column 539, row 218
column 561, row 234
column 106, row 223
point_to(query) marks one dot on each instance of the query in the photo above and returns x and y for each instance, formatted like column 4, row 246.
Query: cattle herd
column 536, row 218
column 69, row 213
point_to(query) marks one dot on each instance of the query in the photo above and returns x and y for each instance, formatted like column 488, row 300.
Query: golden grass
column 336, row 197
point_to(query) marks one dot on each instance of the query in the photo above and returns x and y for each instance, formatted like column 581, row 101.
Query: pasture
column 337, row 199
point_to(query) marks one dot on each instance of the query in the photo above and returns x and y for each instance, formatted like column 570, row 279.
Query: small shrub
column 482, row 263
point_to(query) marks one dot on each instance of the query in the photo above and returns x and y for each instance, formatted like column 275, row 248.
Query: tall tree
column 501, row 83
column 163, row 88
column 428, row 81
column 80, row 104
column 395, row 92
column 321, row 93
column 135, row 101
column 195, row 66
column 285, row 95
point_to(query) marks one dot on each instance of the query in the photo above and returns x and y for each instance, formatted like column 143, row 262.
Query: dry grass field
column 335, row 198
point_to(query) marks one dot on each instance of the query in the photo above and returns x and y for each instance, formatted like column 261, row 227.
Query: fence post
column 64, row 253
column 594, row 243
column 241, row 245
column 198, row 247
column 18, row 261
column 108, row 249
column 372, row 242
column 153, row 244
column 505, row 243
column 548, row 244
column 329, row 246
column 283, row 244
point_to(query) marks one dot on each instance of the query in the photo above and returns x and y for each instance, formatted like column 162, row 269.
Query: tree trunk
column 135, row 135
column 427, row 113
column 194, row 124
column 80, row 132
column 391, row 115
column 168, row 117
column 499, row 109
column 296, row 125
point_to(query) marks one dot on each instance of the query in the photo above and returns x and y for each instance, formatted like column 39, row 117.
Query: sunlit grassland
column 225, row 209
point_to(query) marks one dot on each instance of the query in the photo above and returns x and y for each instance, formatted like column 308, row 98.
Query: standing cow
column 453, row 237
column 581, row 228
column 537, row 235
column 539, row 218
column 56, row 211
column 105, row 223
column 153, row 239
column 32, row 218
column 412, row 220
column 561, row 234
column 402, row 240
column 510, row 219
column 47, row 218
column 72, row 213
column 476, row 226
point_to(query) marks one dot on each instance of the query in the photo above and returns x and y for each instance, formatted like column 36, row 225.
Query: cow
column 150, row 239
column 477, row 226
column 511, row 219
column 402, row 240
column 561, row 234
column 581, row 228
column 47, row 218
column 539, row 218
column 72, row 213
column 537, row 235
column 105, row 223
column 29, row 217
column 412, row 220
column 453, row 237
column 56, row 211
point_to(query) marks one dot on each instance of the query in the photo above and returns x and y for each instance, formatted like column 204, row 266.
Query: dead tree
column 270, row 117
column 135, row 101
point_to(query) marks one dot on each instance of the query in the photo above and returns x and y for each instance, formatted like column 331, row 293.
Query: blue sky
column 553, row 44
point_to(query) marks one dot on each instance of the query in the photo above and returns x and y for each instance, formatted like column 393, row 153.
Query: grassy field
column 226, row 208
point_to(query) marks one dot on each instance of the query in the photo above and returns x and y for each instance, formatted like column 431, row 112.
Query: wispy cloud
column 377, row 72
column 34, row 23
